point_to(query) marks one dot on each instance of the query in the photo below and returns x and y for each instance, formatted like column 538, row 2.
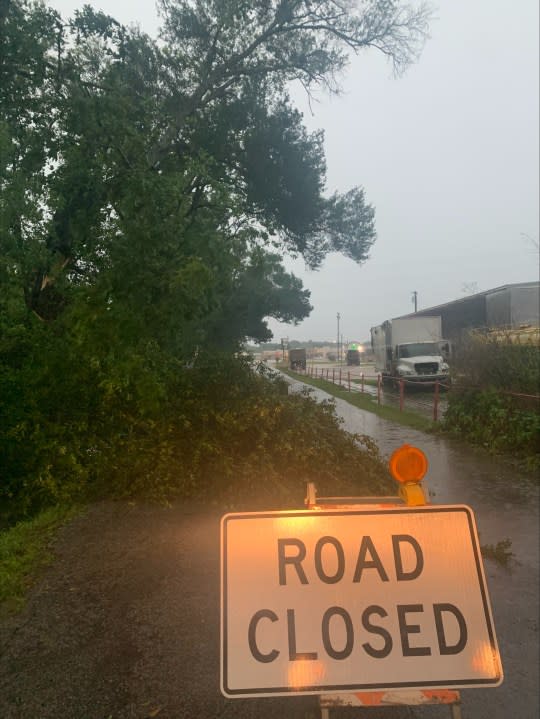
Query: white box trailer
column 416, row 329
column 411, row 348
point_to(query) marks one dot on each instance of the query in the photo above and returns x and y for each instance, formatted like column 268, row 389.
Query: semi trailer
column 353, row 357
column 297, row 358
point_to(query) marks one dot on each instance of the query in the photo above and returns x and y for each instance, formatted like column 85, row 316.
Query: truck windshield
column 419, row 349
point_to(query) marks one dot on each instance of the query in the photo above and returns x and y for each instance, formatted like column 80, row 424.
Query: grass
column 23, row 549
column 367, row 380
column 366, row 402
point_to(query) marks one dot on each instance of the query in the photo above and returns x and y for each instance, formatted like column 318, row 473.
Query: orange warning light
column 408, row 464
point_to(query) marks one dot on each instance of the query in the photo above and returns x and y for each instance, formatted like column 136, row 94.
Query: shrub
column 499, row 361
column 489, row 418
column 489, row 404
column 153, row 427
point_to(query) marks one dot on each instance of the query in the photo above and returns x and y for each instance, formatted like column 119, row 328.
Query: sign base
column 420, row 697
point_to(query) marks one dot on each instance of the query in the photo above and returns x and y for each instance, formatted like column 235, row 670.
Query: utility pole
column 338, row 318
column 415, row 300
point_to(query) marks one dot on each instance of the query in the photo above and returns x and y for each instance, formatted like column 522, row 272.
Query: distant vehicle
column 412, row 349
column 353, row 357
column 297, row 359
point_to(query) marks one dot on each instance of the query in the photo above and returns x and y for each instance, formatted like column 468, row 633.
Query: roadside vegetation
column 23, row 549
column 149, row 191
column 226, row 434
column 221, row 432
column 494, row 402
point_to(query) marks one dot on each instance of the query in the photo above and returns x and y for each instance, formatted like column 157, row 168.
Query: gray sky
column 447, row 154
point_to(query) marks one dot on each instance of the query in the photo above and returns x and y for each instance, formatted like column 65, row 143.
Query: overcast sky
column 447, row 154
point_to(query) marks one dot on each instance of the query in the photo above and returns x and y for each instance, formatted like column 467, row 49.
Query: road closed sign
column 320, row 601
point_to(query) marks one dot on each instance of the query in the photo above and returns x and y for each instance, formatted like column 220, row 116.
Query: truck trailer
column 297, row 359
column 353, row 357
column 412, row 349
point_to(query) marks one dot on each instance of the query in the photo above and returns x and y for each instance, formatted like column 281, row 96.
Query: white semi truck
column 411, row 348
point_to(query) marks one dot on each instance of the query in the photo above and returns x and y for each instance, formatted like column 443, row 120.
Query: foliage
column 232, row 434
column 488, row 418
column 168, row 169
column 148, row 192
column 279, row 443
column 492, row 403
column 500, row 361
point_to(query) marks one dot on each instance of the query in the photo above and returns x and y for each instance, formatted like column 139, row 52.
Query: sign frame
column 359, row 511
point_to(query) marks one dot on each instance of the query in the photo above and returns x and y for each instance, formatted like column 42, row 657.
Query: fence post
column 340, row 375
column 333, row 375
column 379, row 388
column 401, row 394
column 349, row 380
column 327, row 371
column 436, row 402
column 362, row 378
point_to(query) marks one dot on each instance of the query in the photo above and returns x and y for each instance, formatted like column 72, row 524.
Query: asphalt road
column 125, row 622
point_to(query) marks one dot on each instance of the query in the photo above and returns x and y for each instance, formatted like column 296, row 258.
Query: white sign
column 363, row 599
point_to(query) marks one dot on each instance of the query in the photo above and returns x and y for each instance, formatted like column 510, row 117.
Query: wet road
column 125, row 623
column 506, row 506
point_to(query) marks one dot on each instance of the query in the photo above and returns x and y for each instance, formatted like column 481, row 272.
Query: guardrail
column 430, row 405
column 429, row 398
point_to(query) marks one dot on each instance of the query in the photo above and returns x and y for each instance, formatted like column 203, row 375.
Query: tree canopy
column 150, row 187
column 169, row 168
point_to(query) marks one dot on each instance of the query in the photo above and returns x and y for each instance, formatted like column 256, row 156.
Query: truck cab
column 419, row 361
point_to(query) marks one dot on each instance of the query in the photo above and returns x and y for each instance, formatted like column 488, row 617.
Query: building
column 506, row 308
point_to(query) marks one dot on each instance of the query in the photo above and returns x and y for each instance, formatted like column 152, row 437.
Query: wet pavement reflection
column 505, row 501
